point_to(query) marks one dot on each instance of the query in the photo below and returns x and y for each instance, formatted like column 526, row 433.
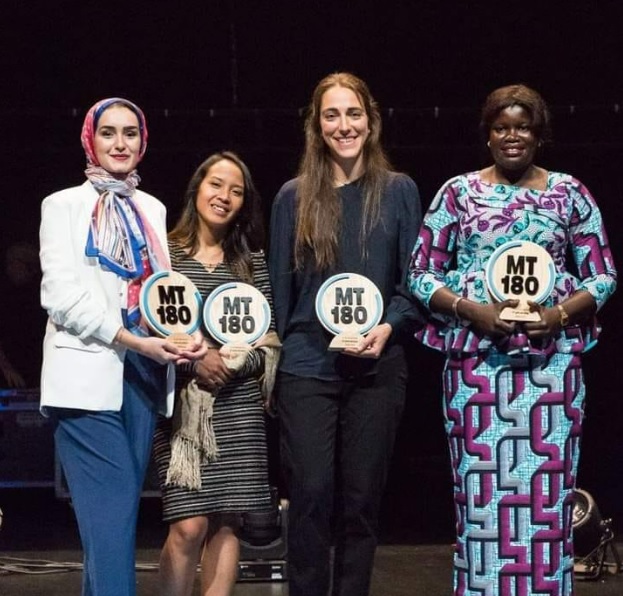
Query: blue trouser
column 104, row 455
column 337, row 439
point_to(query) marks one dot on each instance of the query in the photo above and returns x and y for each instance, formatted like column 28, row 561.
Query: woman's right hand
column 485, row 318
column 212, row 370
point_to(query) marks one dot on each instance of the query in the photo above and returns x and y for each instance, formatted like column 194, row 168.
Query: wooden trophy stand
column 523, row 271
column 171, row 306
column 348, row 305
column 236, row 315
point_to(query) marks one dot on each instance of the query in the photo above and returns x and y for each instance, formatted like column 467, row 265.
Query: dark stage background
column 231, row 74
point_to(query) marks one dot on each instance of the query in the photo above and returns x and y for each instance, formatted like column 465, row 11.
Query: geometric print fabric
column 514, row 437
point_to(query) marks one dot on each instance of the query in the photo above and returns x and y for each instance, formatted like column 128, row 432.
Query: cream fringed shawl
column 193, row 441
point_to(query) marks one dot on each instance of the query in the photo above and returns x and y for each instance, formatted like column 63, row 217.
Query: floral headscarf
column 92, row 118
column 120, row 236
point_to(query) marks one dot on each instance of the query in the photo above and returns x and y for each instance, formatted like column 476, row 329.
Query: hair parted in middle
column 244, row 235
column 319, row 214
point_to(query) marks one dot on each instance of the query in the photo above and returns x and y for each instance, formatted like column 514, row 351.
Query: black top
column 389, row 247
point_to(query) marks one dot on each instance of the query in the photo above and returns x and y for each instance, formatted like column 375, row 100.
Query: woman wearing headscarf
column 104, row 378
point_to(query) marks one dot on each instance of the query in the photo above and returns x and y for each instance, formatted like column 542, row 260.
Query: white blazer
column 81, row 366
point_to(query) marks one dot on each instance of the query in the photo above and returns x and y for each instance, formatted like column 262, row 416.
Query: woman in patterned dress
column 217, row 240
column 513, row 391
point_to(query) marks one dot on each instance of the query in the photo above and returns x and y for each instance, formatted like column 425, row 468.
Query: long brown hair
column 244, row 235
column 319, row 213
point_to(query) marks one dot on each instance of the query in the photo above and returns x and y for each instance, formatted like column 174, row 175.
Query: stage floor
column 37, row 528
column 400, row 570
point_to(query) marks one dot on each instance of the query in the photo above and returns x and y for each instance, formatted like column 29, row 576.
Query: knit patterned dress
column 238, row 480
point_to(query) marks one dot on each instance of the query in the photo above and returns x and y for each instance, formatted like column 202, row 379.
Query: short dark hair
column 517, row 95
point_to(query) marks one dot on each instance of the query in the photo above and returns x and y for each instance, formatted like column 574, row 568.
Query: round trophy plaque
column 520, row 270
column 171, row 306
column 348, row 305
column 236, row 313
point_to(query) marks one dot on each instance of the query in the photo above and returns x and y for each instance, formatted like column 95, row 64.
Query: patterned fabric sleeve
column 433, row 251
column 590, row 247
column 401, row 313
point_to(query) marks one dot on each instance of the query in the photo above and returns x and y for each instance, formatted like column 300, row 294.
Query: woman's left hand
column 156, row 348
column 547, row 326
column 371, row 346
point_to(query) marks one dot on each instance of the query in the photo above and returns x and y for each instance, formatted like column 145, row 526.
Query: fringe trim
column 184, row 468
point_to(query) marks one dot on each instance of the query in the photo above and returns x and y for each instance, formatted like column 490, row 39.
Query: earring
column 488, row 143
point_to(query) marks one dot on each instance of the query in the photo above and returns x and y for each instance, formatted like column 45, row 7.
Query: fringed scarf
column 193, row 441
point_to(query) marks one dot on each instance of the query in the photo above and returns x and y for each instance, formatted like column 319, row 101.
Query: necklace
column 210, row 267
column 210, row 260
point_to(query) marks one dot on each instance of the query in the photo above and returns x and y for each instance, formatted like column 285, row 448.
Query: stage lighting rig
column 593, row 539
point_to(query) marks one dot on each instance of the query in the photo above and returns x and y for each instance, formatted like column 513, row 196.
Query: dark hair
column 244, row 235
column 517, row 95
column 319, row 216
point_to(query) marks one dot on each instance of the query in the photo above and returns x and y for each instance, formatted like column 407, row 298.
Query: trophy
column 348, row 305
column 520, row 270
column 171, row 306
column 236, row 315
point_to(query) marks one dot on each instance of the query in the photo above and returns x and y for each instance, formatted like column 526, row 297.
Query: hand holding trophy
column 236, row 315
column 348, row 305
column 171, row 306
column 523, row 271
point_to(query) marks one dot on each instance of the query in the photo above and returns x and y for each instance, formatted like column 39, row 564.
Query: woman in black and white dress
column 217, row 240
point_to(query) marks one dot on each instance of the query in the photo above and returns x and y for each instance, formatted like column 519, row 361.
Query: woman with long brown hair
column 345, row 212
column 210, row 479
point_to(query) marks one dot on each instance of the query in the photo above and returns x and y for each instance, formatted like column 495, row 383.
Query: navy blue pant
column 336, row 443
column 104, row 455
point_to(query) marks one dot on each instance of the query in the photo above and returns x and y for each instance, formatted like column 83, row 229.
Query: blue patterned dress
column 513, row 409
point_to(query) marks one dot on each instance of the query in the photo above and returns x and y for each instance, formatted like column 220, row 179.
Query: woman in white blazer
column 104, row 378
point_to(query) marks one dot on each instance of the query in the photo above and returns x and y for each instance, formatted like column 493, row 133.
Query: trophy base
column 235, row 354
column 344, row 340
column 183, row 341
column 234, row 350
column 518, row 314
